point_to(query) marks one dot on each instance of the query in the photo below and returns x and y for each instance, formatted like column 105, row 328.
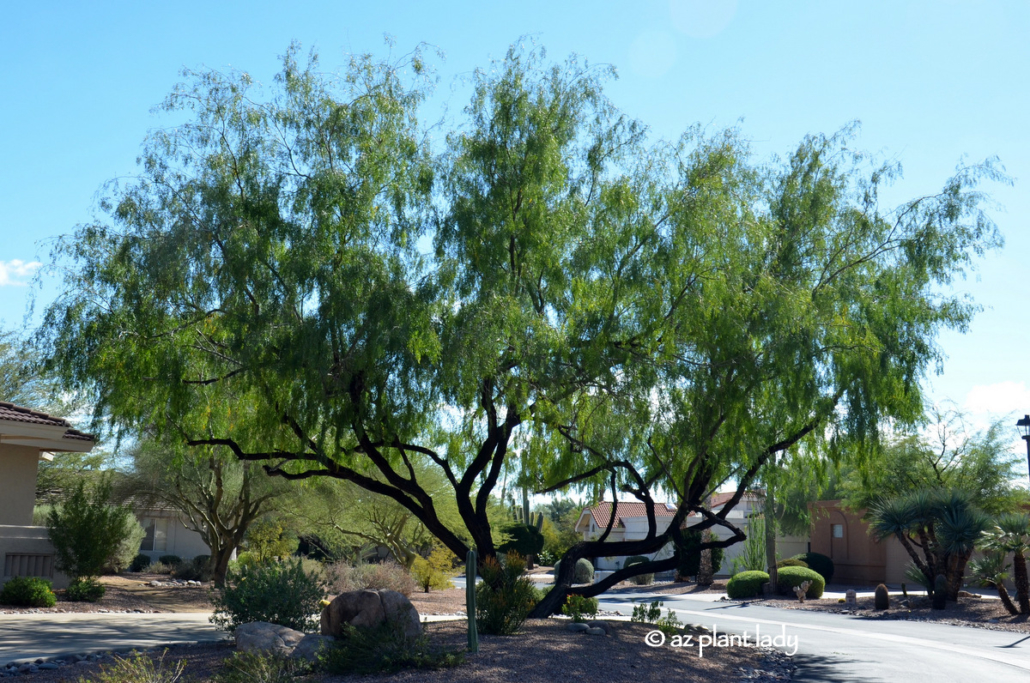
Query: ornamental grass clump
column 504, row 597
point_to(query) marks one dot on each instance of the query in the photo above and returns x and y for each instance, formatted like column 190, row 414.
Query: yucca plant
column 990, row 570
column 1011, row 534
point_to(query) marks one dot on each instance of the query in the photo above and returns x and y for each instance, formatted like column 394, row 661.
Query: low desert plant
column 584, row 571
column 789, row 578
column 881, row 598
column 818, row 563
column 139, row 563
column 383, row 649
column 344, row 577
column 276, row 592
column 139, row 668
column 28, row 591
column 260, row 667
column 577, row 607
column 85, row 590
column 160, row 568
column 652, row 614
column 752, row 552
column 504, row 597
column 434, row 572
column 170, row 560
column 196, row 569
column 746, row 584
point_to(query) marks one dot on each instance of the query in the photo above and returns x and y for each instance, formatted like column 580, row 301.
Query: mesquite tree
column 306, row 280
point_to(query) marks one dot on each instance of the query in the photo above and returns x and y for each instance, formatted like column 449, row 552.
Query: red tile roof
column 602, row 512
column 13, row 413
column 720, row 499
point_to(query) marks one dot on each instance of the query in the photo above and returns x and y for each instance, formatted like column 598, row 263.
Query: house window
column 838, row 531
column 156, row 538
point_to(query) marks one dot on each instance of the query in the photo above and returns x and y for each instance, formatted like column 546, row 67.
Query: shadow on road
column 822, row 669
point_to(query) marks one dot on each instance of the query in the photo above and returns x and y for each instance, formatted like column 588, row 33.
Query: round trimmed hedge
column 584, row 571
column 791, row 562
column 746, row 584
column 790, row 577
column 635, row 559
column 818, row 563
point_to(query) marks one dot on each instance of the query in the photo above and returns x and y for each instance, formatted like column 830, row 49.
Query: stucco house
column 26, row 437
column 167, row 533
column 631, row 524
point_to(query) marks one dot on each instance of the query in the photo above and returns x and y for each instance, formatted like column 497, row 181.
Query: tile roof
column 720, row 499
column 602, row 512
column 12, row 413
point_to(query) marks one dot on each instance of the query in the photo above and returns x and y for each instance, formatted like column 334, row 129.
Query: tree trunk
column 770, row 538
column 220, row 563
column 1005, row 599
column 1019, row 577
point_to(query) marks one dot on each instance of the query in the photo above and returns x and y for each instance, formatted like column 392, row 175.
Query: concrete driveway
column 25, row 637
column 837, row 648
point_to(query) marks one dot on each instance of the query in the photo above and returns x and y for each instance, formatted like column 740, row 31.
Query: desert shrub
column 139, row 563
column 916, row 575
column 791, row 562
column 652, row 614
column 276, row 592
column 576, row 606
column 789, row 578
column 196, row 569
column 434, row 572
column 138, row 668
column 818, row 563
column 85, row 590
column 170, row 560
column 383, row 649
column 86, row 530
column 546, row 558
column 268, row 540
column 259, row 667
column 160, row 568
column 584, row 571
column 344, row 577
column 127, row 551
column 746, row 584
column 639, row 579
column 504, row 597
column 28, row 591
column 635, row 559
column 524, row 539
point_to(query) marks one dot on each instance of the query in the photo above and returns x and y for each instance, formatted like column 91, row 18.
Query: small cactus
column 470, row 600
column 882, row 599
column 940, row 592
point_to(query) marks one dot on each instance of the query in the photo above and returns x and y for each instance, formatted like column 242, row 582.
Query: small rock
column 310, row 645
column 596, row 632
column 48, row 666
column 576, row 627
column 602, row 625
column 262, row 636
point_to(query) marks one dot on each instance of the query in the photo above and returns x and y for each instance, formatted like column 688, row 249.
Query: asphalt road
column 844, row 649
column 25, row 637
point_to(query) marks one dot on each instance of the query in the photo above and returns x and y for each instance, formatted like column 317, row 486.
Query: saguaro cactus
column 470, row 599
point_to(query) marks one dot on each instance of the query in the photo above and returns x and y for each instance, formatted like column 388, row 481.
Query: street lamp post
column 1024, row 427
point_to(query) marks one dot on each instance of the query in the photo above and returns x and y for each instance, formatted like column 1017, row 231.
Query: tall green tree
column 623, row 314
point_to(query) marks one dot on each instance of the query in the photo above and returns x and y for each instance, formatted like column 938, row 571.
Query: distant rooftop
column 10, row 412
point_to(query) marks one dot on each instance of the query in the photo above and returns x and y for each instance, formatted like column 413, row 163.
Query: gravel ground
column 126, row 593
column 975, row 612
column 202, row 661
column 445, row 602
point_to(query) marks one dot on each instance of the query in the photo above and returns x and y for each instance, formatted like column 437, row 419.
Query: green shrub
column 383, row 649
column 269, row 540
column 791, row 562
column 504, row 597
column 818, row 563
column 576, row 606
column 746, row 584
column 259, row 667
column 28, row 591
column 276, row 592
column 789, row 578
column 171, row 560
column 127, row 550
column 86, row 530
column 85, row 590
column 434, row 572
column 584, row 571
column 688, row 554
column 139, row 563
column 138, row 668
column 652, row 614
column 524, row 539
column 196, row 569
column 344, row 577
column 635, row 559
column 160, row 568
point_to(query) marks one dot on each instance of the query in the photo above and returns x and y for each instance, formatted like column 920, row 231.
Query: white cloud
column 12, row 272
column 998, row 399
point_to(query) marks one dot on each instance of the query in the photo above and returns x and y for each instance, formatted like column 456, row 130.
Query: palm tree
column 1012, row 535
column 989, row 570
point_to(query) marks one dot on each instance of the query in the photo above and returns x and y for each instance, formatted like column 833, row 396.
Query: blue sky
column 931, row 82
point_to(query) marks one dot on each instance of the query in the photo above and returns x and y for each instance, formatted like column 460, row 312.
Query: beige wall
column 27, row 551
column 179, row 540
column 18, row 466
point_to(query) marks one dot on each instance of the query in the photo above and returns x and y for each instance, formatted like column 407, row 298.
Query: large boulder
column 260, row 636
column 310, row 646
column 368, row 609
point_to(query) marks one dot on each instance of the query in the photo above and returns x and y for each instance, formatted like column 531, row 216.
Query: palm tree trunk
column 1019, row 576
column 1005, row 599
